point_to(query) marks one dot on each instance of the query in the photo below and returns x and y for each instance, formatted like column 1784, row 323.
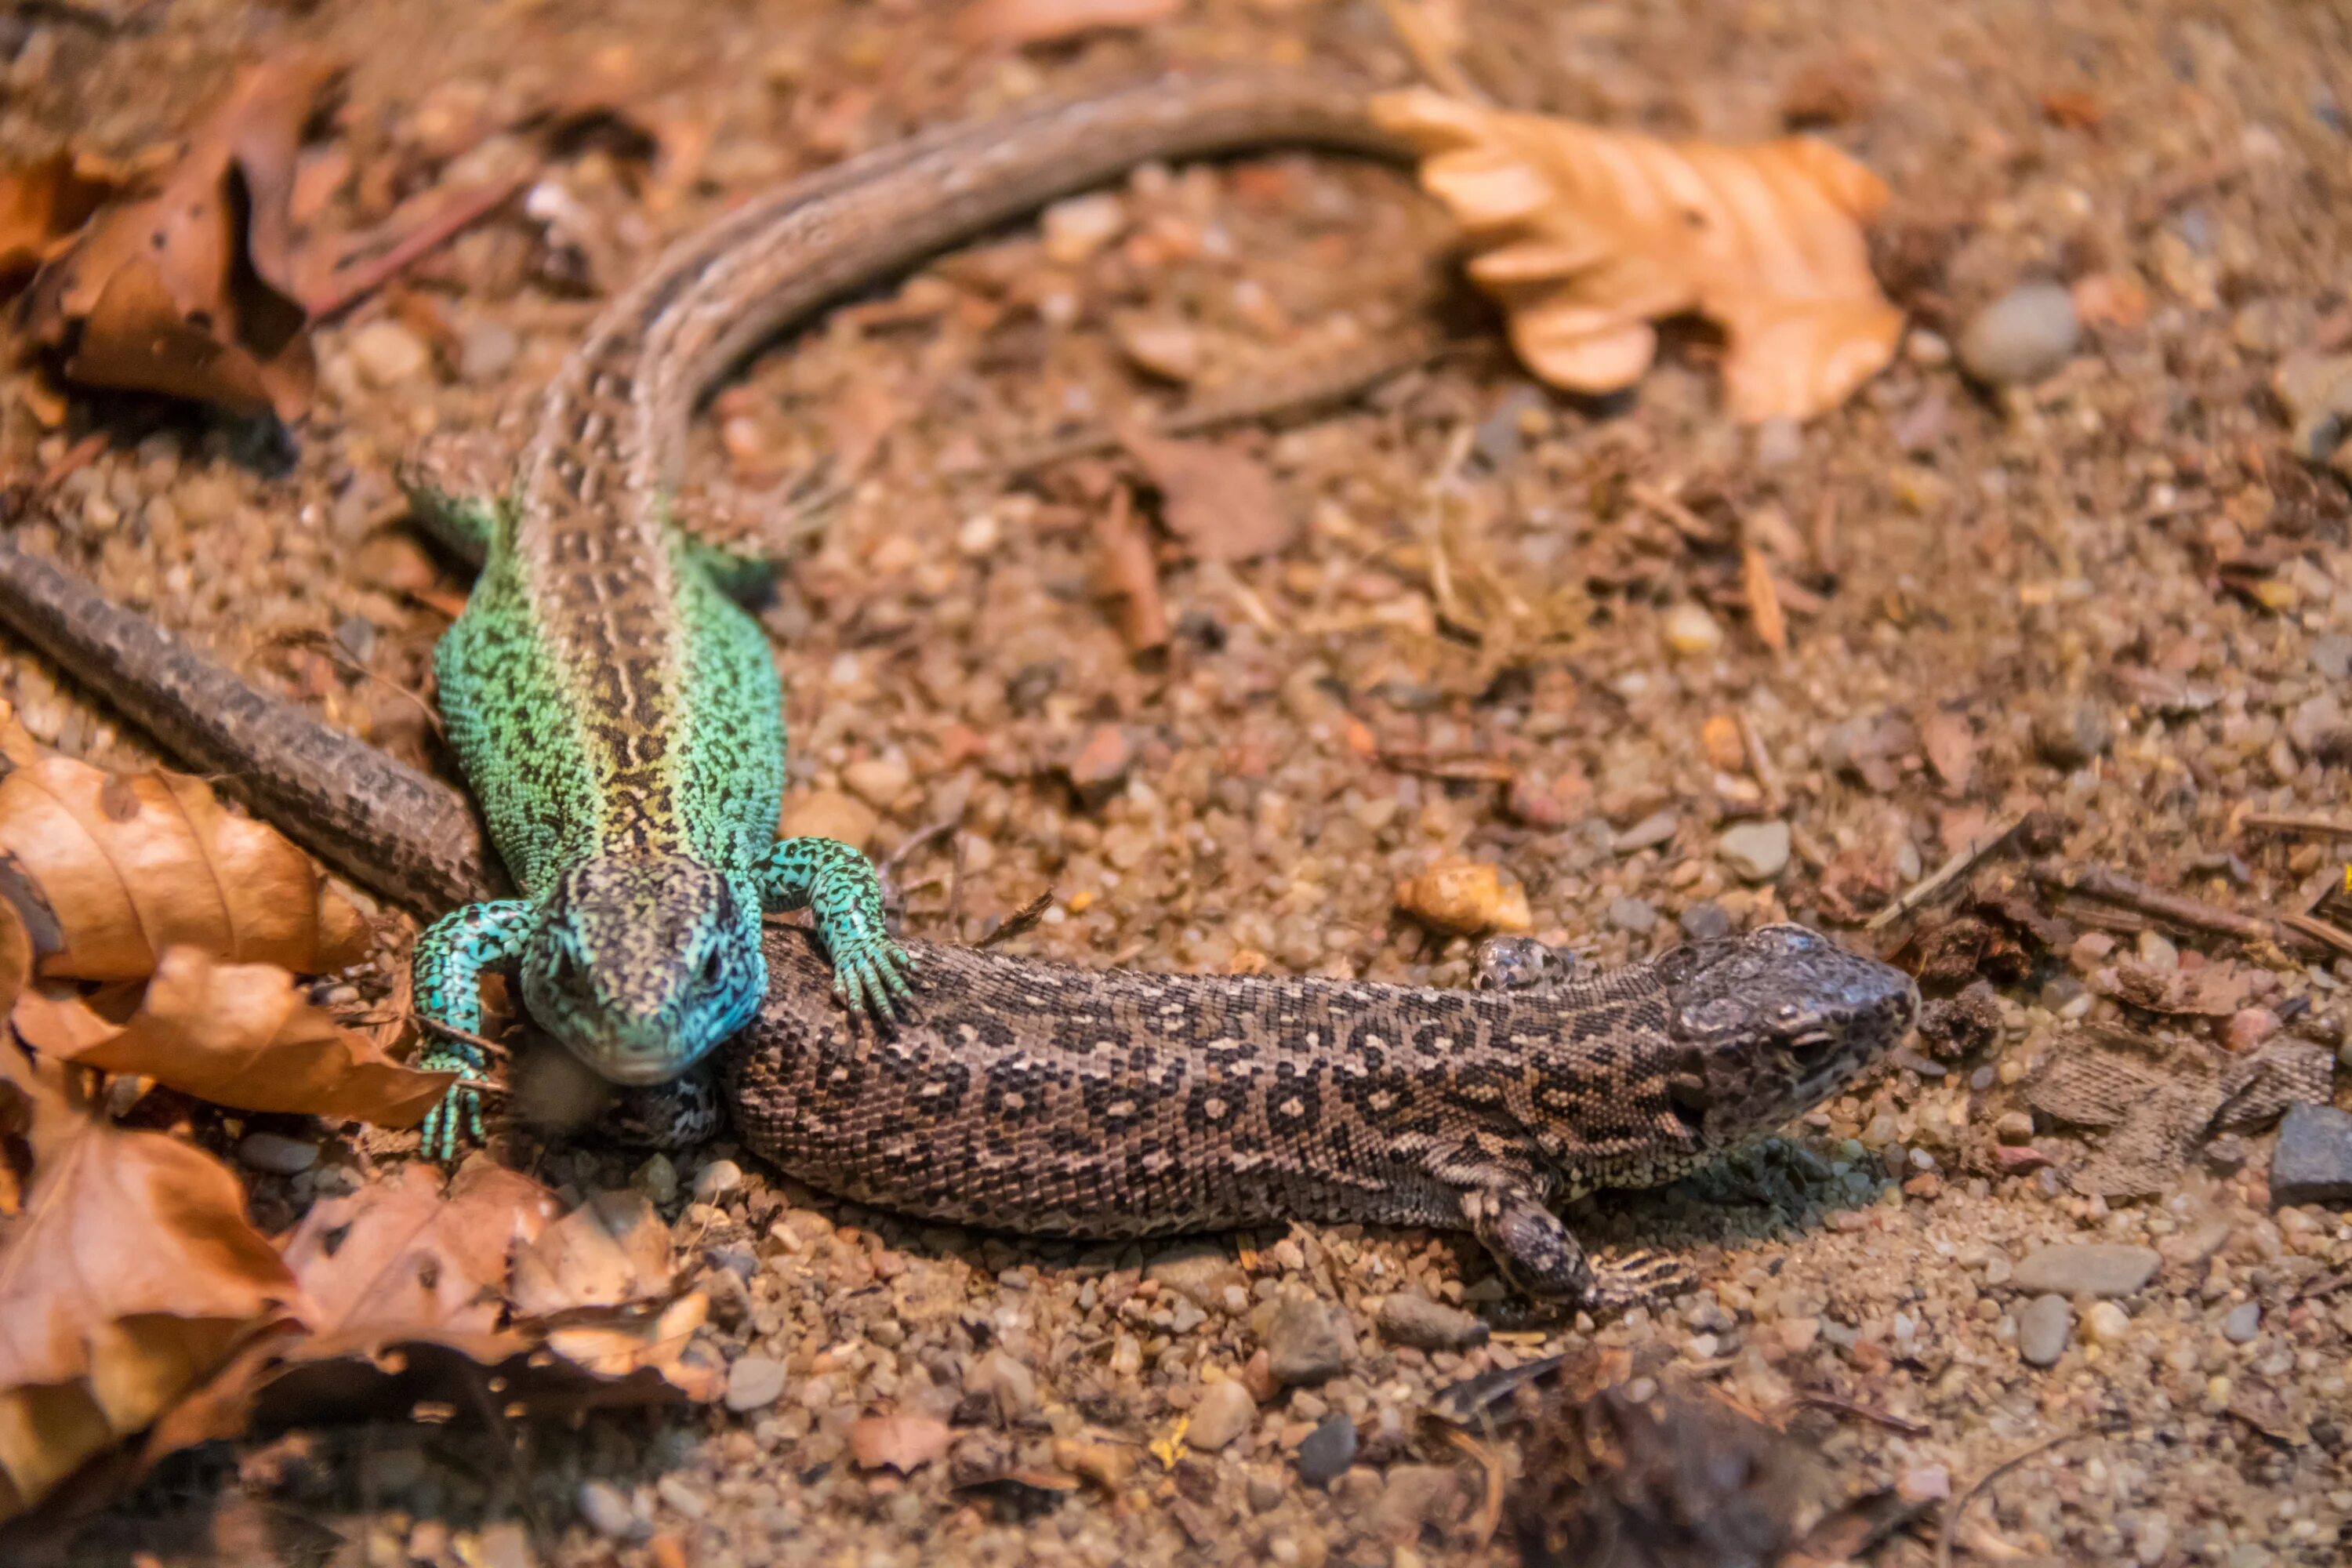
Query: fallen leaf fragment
column 1126, row 572
column 901, row 1443
column 192, row 291
column 612, row 1250
column 398, row 1259
column 234, row 1034
column 41, row 205
column 1589, row 236
column 1218, row 501
column 1017, row 22
column 1951, row 748
column 1465, row 897
column 129, row 864
column 128, row 1277
column 1764, row 611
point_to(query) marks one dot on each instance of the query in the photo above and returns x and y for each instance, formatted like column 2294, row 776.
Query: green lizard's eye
column 714, row 968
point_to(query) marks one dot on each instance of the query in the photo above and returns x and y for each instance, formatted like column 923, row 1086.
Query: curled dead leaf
column 128, row 1275
column 1219, row 501
column 612, row 1250
column 397, row 1259
column 41, row 205
column 192, row 291
column 1013, row 23
column 1588, row 236
column 901, row 1443
column 129, row 864
column 235, row 1034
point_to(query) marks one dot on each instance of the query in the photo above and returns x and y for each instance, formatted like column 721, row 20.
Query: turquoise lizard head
column 642, row 964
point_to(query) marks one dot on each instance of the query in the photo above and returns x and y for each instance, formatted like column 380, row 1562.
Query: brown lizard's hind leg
column 1542, row 1258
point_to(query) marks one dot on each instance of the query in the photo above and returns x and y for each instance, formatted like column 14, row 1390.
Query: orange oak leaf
column 399, row 1260
column 235, row 1034
column 128, row 1275
column 1588, row 236
column 127, row 864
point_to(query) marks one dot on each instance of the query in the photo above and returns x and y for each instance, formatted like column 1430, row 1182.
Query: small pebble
column 275, row 1153
column 2087, row 1268
column 1303, row 1343
column 1634, row 915
column 716, row 1180
column 1078, row 228
column 607, row 1512
column 2250, row 1029
column 2015, row 1127
column 1758, row 851
column 2156, row 952
column 1414, row 1320
column 1465, row 897
column 2312, row 1162
column 681, row 1496
column 387, row 354
column 486, row 351
column 2070, row 731
column 2105, row 1325
column 1199, row 1272
column 755, row 1383
column 657, row 1179
column 2244, row 1323
column 2022, row 336
column 1647, row 833
column 830, row 814
column 1691, row 631
column 2043, row 1328
column 1226, row 1411
column 1328, row 1451
column 1705, row 921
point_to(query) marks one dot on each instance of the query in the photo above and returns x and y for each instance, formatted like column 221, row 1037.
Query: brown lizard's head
column 1767, row 1026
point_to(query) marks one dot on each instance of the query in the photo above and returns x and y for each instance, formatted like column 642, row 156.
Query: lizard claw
column 870, row 978
column 455, row 1124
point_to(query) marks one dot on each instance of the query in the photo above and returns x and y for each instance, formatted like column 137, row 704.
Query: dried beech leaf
column 234, row 1034
column 41, row 205
column 1219, row 502
column 398, row 1259
column 192, row 292
column 130, row 1275
column 612, row 1250
column 1589, row 236
column 129, row 864
column 901, row 1443
column 1018, row 21
column 616, row 1344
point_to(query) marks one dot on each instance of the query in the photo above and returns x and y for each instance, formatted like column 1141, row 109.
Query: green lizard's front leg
column 445, row 970
column 869, row 970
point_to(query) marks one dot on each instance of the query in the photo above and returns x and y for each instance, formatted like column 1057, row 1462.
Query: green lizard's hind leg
column 869, row 970
column 445, row 969
column 452, row 482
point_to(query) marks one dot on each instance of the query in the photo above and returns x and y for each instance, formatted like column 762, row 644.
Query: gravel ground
column 2110, row 591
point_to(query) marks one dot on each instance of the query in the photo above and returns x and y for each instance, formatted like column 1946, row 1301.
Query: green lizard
column 617, row 715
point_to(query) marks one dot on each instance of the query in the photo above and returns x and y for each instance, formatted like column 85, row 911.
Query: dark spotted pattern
column 1034, row 1098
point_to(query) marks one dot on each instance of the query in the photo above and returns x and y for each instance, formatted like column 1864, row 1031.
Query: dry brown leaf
column 901, row 1443
column 400, row 1261
column 1125, row 571
column 1013, row 23
column 234, row 1034
column 615, row 1344
column 130, row 1275
column 1218, row 501
column 612, row 1250
column 129, row 864
column 41, row 205
column 1764, row 611
column 192, row 292
column 1589, row 236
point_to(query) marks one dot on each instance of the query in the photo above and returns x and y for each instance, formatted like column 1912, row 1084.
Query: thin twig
column 2297, row 822
column 1830, row 1402
column 2321, row 931
column 1961, row 1504
column 1021, row 923
column 1760, row 763
column 2101, row 885
column 352, row 279
column 1944, row 875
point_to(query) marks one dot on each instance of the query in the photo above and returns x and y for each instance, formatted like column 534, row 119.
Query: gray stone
column 755, row 1383
column 1198, row 1272
column 716, row 1180
column 1303, row 1343
column 1705, row 921
column 606, row 1510
column 2245, row 1321
column 2312, row 1162
column 1428, row 1325
column 1634, row 915
column 2087, row 1268
column 2022, row 336
column 2043, row 1328
column 1758, row 851
column 1328, row 1451
column 2332, row 656
column 1226, row 1411
column 2069, row 731
column 1647, row 833
column 275, row 1153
